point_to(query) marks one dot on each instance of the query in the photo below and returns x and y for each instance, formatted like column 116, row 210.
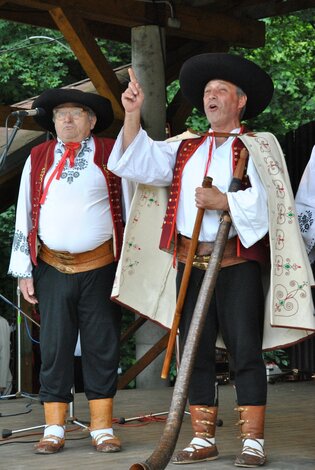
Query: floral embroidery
column 279, row 188
column 280, row 239
column 281, row 214
column 20, row 242
column 80, row 163
column 136, row 217
column 286, row 300
column 305, row 220
column 148, row 198
column 128, row 268
column 263, row 143
column 285, row 266
column 273, row 167
column 285, row 214
column 131, row 245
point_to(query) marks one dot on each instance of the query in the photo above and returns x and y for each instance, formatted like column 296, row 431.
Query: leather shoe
column 47, row 446
column 198, row 454
column 255, row 459
column 112, row 444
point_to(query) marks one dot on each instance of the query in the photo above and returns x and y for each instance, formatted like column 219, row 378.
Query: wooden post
column 147, row 43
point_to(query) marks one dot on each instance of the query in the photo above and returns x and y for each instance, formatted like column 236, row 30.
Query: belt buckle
column 201, row 262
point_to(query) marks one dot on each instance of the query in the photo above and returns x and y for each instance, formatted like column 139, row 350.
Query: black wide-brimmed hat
column 197, row 71
column 49, row 99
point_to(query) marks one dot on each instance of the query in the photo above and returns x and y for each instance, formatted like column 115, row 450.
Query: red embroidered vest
column 42, row 157
column 258, row 252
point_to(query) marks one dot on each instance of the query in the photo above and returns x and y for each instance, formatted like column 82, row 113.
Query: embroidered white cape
column 145, row 278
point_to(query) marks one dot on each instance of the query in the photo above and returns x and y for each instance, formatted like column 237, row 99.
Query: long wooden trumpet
column 165, row 448
column 207, row 183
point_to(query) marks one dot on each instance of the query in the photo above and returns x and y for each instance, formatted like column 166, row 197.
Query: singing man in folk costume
column 71, row 206
column 227, row 89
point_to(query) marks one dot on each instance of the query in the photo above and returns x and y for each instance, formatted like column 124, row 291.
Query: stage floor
column 289, row 432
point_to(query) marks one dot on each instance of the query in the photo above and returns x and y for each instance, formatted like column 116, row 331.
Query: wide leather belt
column 204, row 250
column 72, row 263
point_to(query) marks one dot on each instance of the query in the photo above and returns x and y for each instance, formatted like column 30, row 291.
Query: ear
column 92, row 122
column 242, row 101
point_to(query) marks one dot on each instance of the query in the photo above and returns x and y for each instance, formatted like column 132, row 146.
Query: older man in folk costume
column 226, row 88
column 68, row 237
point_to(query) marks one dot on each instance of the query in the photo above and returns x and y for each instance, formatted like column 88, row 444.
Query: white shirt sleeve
column 305, row 206
column 20, row 262
column 145, row 160
column 249, row 209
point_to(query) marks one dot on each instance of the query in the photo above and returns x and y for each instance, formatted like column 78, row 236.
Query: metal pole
column 18, row 332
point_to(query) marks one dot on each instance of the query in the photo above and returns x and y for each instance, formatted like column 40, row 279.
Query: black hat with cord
column 197, row 71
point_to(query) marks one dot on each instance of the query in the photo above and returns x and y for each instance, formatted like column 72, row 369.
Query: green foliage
column 288, row 56
column 118, row 54
column 128, row 349
column 29, row 66
column 34, row 59
column 278, row 356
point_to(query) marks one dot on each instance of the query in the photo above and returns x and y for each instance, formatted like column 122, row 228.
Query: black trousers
column 237, row 310
column 69, row 303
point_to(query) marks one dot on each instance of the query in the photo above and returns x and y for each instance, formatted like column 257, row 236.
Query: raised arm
column 132, row 100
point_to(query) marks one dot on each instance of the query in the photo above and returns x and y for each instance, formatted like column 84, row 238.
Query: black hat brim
column 197, row 71
column 49, row 99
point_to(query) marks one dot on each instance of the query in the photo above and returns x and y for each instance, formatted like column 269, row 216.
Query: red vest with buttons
column 42, row 157
column 258, row 252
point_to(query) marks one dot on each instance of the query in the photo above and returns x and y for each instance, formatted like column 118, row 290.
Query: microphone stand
column 16, row 127
column 19, row 393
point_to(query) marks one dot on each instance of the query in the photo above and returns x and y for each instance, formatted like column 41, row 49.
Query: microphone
column 29, row 112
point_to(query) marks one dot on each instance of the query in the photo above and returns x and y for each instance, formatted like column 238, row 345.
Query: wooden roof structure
column 191, row 26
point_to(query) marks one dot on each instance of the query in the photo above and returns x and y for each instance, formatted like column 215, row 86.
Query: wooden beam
column 43, row 19
column 195, row 23
column 201, row 25
column 264, row 9
column 90, row 56
column 132, row 329
column 28, row 122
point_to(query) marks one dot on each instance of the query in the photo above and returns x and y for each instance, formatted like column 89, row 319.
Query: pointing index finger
column 132, row 76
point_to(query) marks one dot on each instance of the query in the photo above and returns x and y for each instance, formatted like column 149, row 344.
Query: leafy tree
column 288, row 56
column 28, row 66
column 34, row 59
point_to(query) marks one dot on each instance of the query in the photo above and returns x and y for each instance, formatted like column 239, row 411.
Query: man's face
column 72, row 122
column 222, row 105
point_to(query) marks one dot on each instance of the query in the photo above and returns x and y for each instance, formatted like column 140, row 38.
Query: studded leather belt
column 71, row 263
column 204, row 250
